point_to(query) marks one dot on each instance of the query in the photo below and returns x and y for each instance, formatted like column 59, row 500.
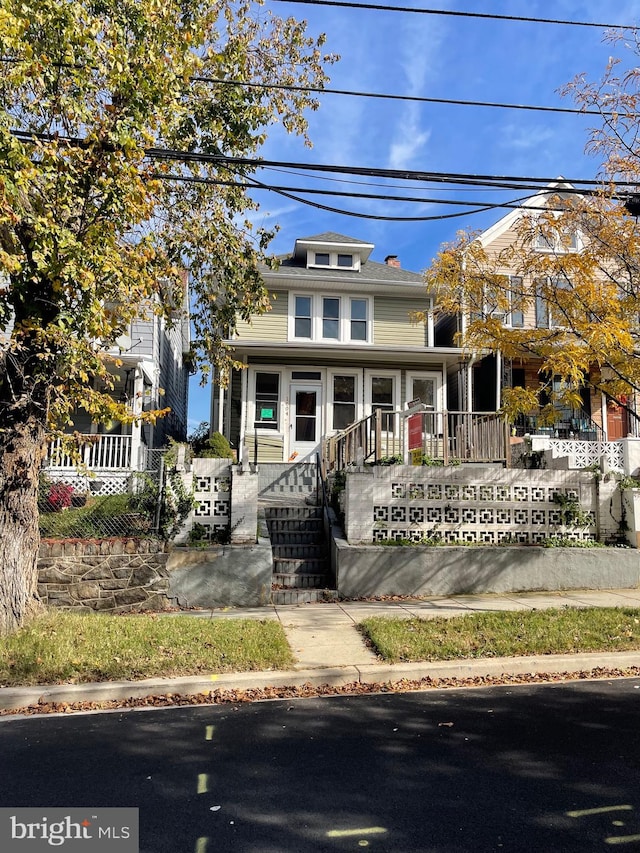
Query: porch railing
column 440, row 436
column 96, row 452
column 577, row 425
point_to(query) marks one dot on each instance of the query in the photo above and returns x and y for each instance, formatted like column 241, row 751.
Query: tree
column 584, row 285
column 114, row 176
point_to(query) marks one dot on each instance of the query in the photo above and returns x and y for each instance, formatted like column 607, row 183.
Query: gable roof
column 537, row 202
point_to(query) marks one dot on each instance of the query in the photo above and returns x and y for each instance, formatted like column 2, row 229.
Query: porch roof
column 322, row 352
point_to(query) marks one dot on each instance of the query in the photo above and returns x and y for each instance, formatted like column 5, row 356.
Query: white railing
column 96, row 452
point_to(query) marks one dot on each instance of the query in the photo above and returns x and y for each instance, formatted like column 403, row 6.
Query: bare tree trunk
column 22, row 451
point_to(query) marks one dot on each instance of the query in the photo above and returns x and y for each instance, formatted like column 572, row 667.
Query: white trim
column 317, row 316
column 412, row 375
column 503, row 225
column 368, row 376
column 358, row 405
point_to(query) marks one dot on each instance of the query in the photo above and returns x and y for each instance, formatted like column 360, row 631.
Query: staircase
column 300, row 553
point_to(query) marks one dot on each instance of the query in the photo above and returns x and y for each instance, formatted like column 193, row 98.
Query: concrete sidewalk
column 329, row 650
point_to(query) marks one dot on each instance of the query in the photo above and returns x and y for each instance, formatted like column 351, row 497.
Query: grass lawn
column 62, row 647
column 482, row 635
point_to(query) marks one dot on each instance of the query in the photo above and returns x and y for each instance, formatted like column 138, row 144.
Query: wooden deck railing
column 441, row 436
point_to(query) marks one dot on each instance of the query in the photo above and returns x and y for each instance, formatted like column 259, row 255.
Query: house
column 490, row 374
column 150, row 372
column 338, row 343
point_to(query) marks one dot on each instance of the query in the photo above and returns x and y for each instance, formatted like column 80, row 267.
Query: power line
column 392, row 97
column 232, row 163
column 292, row 194
column 451, row 13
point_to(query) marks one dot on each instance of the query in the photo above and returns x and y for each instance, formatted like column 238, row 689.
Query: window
column 382, row 398
column 345, row 260
column 552, row 239
column 344, row 401
column 267, row 397
column 358, row 319
column 322, row 259
column 424, row 390
column 334, row 319
column 517, row 314
column 331, row 318
column 545, row 291
column 303, row 317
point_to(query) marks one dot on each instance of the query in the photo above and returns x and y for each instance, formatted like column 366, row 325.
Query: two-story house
column 596, row 418
column 338, row 342
column 150, row 372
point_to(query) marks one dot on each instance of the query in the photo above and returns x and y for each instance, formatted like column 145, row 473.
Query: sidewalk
column 329, row 650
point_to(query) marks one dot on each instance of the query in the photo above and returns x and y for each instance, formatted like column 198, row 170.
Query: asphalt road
column 526, row 768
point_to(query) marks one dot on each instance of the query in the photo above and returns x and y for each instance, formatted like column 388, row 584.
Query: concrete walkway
column 329, row 650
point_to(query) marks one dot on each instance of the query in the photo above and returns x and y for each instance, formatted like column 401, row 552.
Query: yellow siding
column 271, row 326
column 392, row 325
column 270, row 448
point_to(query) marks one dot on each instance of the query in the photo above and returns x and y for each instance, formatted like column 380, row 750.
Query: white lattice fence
column 583, row 454
column 98, row 483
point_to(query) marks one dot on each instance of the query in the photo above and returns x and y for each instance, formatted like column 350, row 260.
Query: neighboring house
column 151, row 374
column 338, row 342
column 490, row 374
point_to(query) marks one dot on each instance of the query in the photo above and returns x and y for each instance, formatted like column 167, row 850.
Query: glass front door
column 305, row 426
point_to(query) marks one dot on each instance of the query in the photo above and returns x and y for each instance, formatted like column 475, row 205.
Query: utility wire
column 451, row 13
column 413, row 98
column 224, row 161
column 288, row 192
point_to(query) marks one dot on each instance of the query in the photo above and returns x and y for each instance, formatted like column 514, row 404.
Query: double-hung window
column 267, row 400
column 382, row 397
column 344, row 401
column 341, row 319
column 331, row 318
column 303, row 317
column 358, row 327
column 516, row 315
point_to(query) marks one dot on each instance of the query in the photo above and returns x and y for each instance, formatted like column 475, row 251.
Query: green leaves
column 91, row 231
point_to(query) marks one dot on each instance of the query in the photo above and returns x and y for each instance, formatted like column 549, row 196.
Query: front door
column 617, row 422
column 305, row 421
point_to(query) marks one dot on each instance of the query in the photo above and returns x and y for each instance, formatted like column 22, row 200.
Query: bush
column 216, row 447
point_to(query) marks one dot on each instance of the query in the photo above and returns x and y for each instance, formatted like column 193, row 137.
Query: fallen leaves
column 308, row 690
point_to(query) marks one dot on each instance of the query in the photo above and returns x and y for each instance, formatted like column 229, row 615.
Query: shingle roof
column 371, row 270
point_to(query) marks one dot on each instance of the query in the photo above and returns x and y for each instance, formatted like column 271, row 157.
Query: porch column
column 244, row 382
column 136, row 426
column 498, row 380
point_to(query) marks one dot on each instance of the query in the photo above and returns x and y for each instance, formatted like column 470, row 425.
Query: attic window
column 345, row 260
column 322, row 259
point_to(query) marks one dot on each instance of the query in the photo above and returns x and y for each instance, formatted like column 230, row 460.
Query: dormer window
column 333, row 260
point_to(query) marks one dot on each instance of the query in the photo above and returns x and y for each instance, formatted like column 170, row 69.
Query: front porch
column 105, row 464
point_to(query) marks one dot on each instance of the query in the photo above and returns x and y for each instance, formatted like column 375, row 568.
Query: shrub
column 216, row 447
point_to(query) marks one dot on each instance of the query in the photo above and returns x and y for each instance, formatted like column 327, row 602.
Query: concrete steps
column 300, row 556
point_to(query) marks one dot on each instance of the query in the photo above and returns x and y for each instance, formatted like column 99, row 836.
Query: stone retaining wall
column 113, row 575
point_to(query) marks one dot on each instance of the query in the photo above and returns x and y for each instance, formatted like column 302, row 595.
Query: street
column 527, row 768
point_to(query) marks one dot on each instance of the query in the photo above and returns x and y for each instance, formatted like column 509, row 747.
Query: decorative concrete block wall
column 226, row 502
column 112, row 575
column 482, row 505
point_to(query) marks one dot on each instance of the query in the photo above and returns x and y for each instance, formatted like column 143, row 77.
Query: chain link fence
column 126, row 505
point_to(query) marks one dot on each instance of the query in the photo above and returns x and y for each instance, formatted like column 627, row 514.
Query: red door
column 617, row 424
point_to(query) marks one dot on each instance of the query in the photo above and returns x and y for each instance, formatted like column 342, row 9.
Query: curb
column 22, row 697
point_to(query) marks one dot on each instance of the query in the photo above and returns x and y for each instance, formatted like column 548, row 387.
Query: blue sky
column 439, row 57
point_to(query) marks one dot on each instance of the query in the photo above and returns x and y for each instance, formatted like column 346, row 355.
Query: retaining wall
column 109, row 575
column 372, row 570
